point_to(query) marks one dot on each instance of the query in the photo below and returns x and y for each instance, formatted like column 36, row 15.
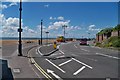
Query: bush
column 98, row 44
column 116, row 43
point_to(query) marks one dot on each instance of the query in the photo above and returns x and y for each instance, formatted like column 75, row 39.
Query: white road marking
column 75, row 46
column 65, row 62
column 39, row 51
column 60, row 56
column 85, row 50
column 36, row 51
column 82, row 63
column 85, row 57
column 55, row 65
column 79, row 70
column 58, row 46
column 62, row 52
column 108, row 56
column 52, row 72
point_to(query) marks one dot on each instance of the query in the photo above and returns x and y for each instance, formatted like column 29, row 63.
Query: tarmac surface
column 74, row 61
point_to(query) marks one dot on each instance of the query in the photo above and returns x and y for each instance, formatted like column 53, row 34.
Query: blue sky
column 80, row 17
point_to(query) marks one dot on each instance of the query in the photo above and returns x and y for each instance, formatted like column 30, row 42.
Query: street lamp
column 46, row 37
column 41, row 30
column 20, row 30
column 64, row 26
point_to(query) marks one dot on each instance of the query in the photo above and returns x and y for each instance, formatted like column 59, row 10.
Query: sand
column 11, row 42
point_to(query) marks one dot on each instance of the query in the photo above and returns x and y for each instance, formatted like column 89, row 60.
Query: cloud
column 92, row 28
column 46, row 6
column 52, row 18
column 73, row 28
column 13, row 0
column 10, row 27
column 60, row 18
column 58, row 24
column 13, row 4
column 3, row 6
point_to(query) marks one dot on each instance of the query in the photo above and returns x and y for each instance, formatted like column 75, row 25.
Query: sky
column 81, row 18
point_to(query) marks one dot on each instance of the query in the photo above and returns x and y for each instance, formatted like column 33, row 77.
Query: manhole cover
column 16, row 70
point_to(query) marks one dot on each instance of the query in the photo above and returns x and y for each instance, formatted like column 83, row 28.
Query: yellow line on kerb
column 41, row 70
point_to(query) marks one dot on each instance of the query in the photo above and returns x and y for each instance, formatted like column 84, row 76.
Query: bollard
column 55, row 45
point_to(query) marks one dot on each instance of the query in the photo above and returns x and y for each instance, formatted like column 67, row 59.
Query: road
column 74, row 61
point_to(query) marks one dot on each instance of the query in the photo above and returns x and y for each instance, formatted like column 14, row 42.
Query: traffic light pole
column 20, row 30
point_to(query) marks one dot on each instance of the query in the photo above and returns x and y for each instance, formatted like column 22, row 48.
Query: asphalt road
column 75, row 61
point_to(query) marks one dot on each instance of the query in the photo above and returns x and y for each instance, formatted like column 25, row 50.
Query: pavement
column 73, row 61
column 20, row 66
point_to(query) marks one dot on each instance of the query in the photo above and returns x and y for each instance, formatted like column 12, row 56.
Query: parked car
column 83, row 41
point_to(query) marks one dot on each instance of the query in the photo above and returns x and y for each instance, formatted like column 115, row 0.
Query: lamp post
column 64, row 26
column 47, row 37
column 20, row 30
column 41, row 31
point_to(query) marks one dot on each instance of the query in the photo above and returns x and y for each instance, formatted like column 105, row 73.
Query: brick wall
column 101, row 38
column 97, row 38
column 115, row 33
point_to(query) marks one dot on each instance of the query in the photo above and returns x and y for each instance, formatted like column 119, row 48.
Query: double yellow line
column 39, row 68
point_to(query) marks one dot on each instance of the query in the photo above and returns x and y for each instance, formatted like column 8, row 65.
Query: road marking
column 60, row 56
column 75, row 46
column 36, row 51
column 39, row 51
column 55, row 65
column 85, row 57
column 78, row 71
column 62, row 52
column 58, row 46
column 108, row 56
column 85, row 50
column 82, row 63
column 52, row 72
column 65, row 62
column 42, row 71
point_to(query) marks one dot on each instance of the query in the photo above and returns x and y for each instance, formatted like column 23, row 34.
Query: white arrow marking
column 52, row 72
column 79, row 70
column 65, row 62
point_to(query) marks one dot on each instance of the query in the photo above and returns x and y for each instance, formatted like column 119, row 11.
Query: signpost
column 46, row 37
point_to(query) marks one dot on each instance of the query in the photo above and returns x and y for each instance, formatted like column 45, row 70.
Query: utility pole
column 41, row 30
column 64, row 26
column 20, row 30
column 46, row 37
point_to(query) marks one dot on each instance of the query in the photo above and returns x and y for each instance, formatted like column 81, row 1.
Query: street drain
column 16, row 70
